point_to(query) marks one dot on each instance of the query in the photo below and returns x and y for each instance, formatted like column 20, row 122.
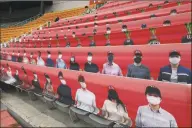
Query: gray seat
column 79, row 111
column 48, row 99
column 62, row 104
column 39, row 95
column 49, row 102
column 100, row 120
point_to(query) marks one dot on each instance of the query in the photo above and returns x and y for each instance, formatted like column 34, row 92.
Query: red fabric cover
column 170, row 34
column 145, row 15
column 121, row 12
column 154, row 56
column 176, row 98
column 132, row 25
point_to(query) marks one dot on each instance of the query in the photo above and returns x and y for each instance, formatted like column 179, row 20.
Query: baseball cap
column 174, row 53
column 110, row 53
column 138, row 53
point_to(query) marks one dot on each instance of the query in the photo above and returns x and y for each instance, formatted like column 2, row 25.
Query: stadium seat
column 123, row 55
column 126, row 88
column 145, row 15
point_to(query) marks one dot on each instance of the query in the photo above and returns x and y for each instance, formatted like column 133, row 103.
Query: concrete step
column 36, row 113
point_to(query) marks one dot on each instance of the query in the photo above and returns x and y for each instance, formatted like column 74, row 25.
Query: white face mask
column 73, row 35
column 35, row 75
column 174, row 60
column 48, row 80
column 24, row 54
column 109, row 32
column 18, row 54
column 63, row 81
column 49, row 56
column 13, row 53
column 89, row 58
column 83, row 85
column 153, row 100
column 72, row 59
column 124, row 30
column 31, row 56
column 60, row 56
column 17, row 72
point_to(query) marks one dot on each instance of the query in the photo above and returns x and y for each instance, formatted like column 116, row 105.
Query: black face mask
column 137, row 60
column 110, row 58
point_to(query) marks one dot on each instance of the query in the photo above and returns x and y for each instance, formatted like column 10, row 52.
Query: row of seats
column 134, row 27
column 153, row 56
column 107, row 15
column 173, row 101
column 145, row 15
column 12, row 32
column 110, row 4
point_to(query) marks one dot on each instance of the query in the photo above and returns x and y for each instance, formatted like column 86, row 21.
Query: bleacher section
column 115, row 22
column 15, row 32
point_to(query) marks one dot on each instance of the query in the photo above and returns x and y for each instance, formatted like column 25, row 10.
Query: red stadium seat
column 140, row 16
column 123, row 55
column 176, row 97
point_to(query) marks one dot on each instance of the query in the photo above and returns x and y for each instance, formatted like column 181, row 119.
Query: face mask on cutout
column 72, row 59
column 89, row 58
column 60, row 56
column 49, row 56
column 153, row 100
column 63, row 82
column 110, row 58
column 35, row 75
column 174, row 60
column 137, row 59
column 83, row 85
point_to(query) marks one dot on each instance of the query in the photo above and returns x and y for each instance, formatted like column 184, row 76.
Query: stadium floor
column 35, row 110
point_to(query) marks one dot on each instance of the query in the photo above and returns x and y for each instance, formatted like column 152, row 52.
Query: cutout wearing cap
column 174, row 53
column 81, row 78
column 153, row 90
column 138, row 53
column 110, row 53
